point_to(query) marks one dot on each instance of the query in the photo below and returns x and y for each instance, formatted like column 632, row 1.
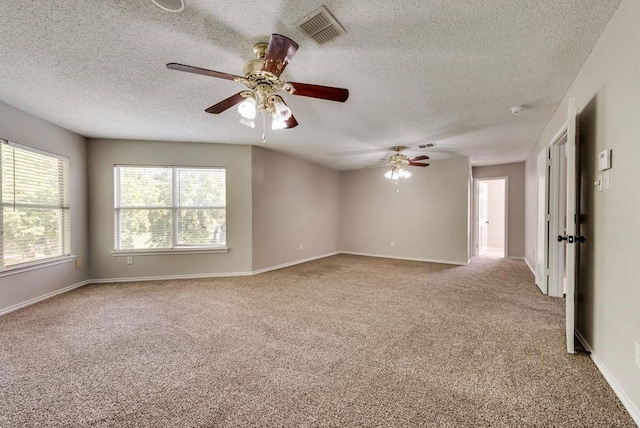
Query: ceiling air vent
column 321, row 26
column 426, row 146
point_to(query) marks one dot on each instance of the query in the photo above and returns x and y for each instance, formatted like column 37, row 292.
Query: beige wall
column 496, row 213
column 426, row 216
column 20, row 127
column 516, row 208
column 104, row 154
column 611, row 75
column 294, row 202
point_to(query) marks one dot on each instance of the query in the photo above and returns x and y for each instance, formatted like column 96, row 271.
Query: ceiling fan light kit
column 263, row 82
column 397, row 172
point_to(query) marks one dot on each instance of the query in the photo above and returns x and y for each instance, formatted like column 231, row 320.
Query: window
column 35, row 205
column 169, row 208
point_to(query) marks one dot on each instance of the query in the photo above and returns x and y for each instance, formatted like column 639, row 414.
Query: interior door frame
column 543, row 165
column 476, row 214
column 555, row 258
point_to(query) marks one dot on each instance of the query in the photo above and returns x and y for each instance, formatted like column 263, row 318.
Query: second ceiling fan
column 262, row 78
column 398, row 161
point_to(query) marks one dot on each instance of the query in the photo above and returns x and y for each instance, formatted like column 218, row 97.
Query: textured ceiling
column 418, row 71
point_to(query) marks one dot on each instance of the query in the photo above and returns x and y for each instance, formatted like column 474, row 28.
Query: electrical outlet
column 130, row 260
column 301, row 246
column 638, row 354
column 393, row 243
column 77, row 263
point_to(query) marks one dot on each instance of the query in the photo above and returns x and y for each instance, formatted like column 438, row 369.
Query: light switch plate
column 605, row 180
column 638, row 354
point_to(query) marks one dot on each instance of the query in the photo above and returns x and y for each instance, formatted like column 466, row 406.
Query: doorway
column 556, row 219
column 491, row 216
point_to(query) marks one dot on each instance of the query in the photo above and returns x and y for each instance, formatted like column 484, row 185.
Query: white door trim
column 557, row 215
column 542, row 225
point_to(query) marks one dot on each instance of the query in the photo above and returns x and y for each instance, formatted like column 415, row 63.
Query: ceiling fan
column 262, row 77
column 398, row 161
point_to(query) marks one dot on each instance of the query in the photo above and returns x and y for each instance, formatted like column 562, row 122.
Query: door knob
column 572, row 239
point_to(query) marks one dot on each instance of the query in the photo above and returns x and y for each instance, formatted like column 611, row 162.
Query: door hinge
column 549, row 162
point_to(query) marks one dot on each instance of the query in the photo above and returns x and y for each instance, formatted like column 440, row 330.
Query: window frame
column 176, row 248
column 65, row 229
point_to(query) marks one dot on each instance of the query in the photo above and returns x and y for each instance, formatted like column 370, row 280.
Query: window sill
column 164, row 252
column 39, row 264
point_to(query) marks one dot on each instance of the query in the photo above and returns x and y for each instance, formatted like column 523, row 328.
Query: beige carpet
column 341, row 341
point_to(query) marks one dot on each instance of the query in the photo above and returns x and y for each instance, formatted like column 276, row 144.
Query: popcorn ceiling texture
column 418, row 71
column 340, row 341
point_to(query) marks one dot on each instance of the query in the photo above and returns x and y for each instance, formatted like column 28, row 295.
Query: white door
column 543, row 222
column 483, row 216
column 570, row 150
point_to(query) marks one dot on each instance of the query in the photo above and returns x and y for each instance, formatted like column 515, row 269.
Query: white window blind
column 163, row 207
column 35, row 205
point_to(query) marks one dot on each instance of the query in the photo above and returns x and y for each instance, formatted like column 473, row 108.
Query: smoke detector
column 516, row 109
column 321, row 26
column 170, row 5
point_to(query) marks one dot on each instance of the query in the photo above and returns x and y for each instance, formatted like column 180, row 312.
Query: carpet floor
column 341, row 341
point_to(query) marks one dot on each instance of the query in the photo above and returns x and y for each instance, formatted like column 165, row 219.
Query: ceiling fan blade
column 418, row 164
column 279, row 52
column 225, row 104
column 322, row 92
column 418, row 158
column 203, row 71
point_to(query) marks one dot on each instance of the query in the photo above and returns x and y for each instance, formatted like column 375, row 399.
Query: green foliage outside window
column 170, row 207
column 35, row 207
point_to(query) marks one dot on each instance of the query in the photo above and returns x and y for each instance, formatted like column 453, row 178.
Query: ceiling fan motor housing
column 399, row 159
column 260, row 50
column 253, row 66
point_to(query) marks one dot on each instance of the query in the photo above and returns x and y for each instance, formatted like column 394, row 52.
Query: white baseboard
column 613, row 383
column 533, row 271
column 617, row 389
column 169, row 277
column 385, row 256
column 295, row 262
column 208, row 275
column 43, row 297
column 155, row 278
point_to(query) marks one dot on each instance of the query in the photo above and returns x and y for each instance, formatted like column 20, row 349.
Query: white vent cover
column 321, row 26
column 424, row 146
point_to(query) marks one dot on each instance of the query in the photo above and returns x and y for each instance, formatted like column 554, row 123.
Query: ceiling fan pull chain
column 264, row 128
